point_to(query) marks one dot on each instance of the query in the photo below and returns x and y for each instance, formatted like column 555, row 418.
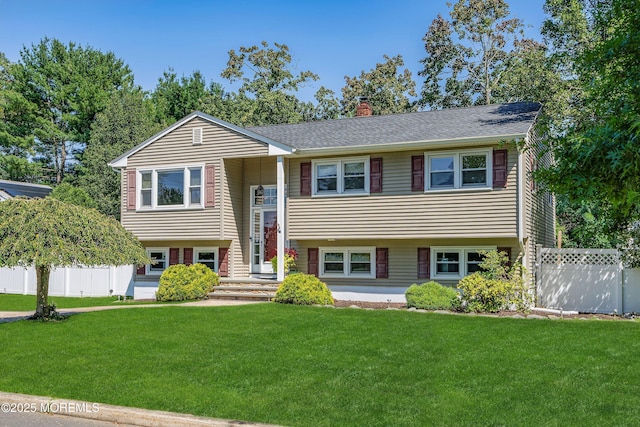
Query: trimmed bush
column 432, row 296
column 180, row 282
column 498, row 286
column 485, row 295
column 303, row 289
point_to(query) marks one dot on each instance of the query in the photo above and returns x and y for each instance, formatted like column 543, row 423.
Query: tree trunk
column 42, row 290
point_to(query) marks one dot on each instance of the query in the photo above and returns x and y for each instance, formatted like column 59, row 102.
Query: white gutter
column 409, row 145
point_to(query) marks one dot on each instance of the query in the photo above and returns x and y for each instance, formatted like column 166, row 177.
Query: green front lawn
column 14, row 302
column 307, row 366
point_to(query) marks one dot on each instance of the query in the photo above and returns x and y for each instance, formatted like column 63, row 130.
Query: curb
column 15, row 402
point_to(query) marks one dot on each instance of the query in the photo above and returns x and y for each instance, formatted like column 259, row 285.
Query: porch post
column 281, row 218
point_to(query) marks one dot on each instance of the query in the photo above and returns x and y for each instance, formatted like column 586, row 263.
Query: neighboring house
column 10, row 189
column 372, row 204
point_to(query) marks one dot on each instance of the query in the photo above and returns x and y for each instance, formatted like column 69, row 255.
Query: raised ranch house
column 371, row 204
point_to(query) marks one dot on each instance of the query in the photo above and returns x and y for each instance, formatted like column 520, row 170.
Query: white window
column 160, row 258
column 466, row 169
column 206, row 256
column 341, row 176
column 348, row 262
column 454, row 262
column 171, row 187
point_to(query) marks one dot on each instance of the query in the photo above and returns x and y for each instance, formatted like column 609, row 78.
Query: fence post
column 538, row 271
column 620, row 287
column 66, row 281
column 25, row 281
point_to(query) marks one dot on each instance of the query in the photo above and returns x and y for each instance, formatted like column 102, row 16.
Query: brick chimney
column 364, row 109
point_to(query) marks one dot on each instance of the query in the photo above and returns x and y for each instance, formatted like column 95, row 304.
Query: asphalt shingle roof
column 448, row 124
column 14, row 188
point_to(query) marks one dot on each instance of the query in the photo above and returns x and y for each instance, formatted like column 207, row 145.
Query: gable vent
column 197, row 136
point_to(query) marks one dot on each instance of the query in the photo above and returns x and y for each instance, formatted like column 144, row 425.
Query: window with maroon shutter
column 382, row 263
column 174, row 256
column 424, row 262
column 312, row 261
column 305, row 179
column 417, row 173
column 375, row 175
column 131, row 190
column 141, row 270
column 500, row 168
column 508, row 252
column 188, row 256
column 209, row 186
column 223, row 264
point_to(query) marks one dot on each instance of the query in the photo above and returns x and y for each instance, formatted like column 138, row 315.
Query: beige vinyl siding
column 539, row 209
column 233, row 209
column 176, row 149
column 398, row 212
column 403, row 258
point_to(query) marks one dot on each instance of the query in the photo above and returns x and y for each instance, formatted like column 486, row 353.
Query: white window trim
column 147, row 267
column 186, row 184
column 339, row 162
column 457, row 169
column 346, row 250
column 213, row 249
column 462, row 251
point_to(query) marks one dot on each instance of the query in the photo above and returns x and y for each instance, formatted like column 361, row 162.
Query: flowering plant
column 290, row 257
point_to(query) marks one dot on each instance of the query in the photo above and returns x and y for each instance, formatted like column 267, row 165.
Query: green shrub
column 180, row 282
column 431, row 296
column 498, row 286
column 485, row 295
column 303, row 289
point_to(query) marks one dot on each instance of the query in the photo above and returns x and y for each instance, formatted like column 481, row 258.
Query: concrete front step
column 245, row 289
column 242, row 296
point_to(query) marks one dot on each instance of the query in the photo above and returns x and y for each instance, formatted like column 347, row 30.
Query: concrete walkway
column 12, row 316
column 26, row 410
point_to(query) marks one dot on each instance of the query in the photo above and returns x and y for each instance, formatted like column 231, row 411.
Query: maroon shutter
column 188, row 256
column 131, row 190
column 382, row 263
column 375, row 175
column 417, row 173
column 305, row 179
column 500, row 168
column 312, row 261
column 210, row 186
column 424, row 262
column 223, row 264
column 141, row 270
column 508, row 251
column 174, row 256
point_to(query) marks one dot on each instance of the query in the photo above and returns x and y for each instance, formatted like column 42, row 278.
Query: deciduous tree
column 47, row 233
column 468, row 57
column 269, row 85
column 387, row 87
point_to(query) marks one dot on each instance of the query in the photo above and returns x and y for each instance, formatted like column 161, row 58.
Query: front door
column 264, row 229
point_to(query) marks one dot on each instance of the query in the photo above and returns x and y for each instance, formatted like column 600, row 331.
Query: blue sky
column 331, row 38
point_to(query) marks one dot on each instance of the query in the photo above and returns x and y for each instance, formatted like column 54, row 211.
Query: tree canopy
column 47, row 233
column 597, row 156
column 386, row 86
column 468, row 57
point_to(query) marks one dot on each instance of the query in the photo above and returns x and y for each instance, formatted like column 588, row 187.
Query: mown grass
column 304, row 366
column 14, row 302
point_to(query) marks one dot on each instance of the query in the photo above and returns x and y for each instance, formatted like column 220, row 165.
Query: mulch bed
column 400, row 305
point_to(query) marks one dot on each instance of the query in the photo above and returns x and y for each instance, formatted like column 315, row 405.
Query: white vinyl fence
column 73, row 282
column 586, row 280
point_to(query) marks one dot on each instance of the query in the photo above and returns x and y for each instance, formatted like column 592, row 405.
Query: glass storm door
column 264, row 230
